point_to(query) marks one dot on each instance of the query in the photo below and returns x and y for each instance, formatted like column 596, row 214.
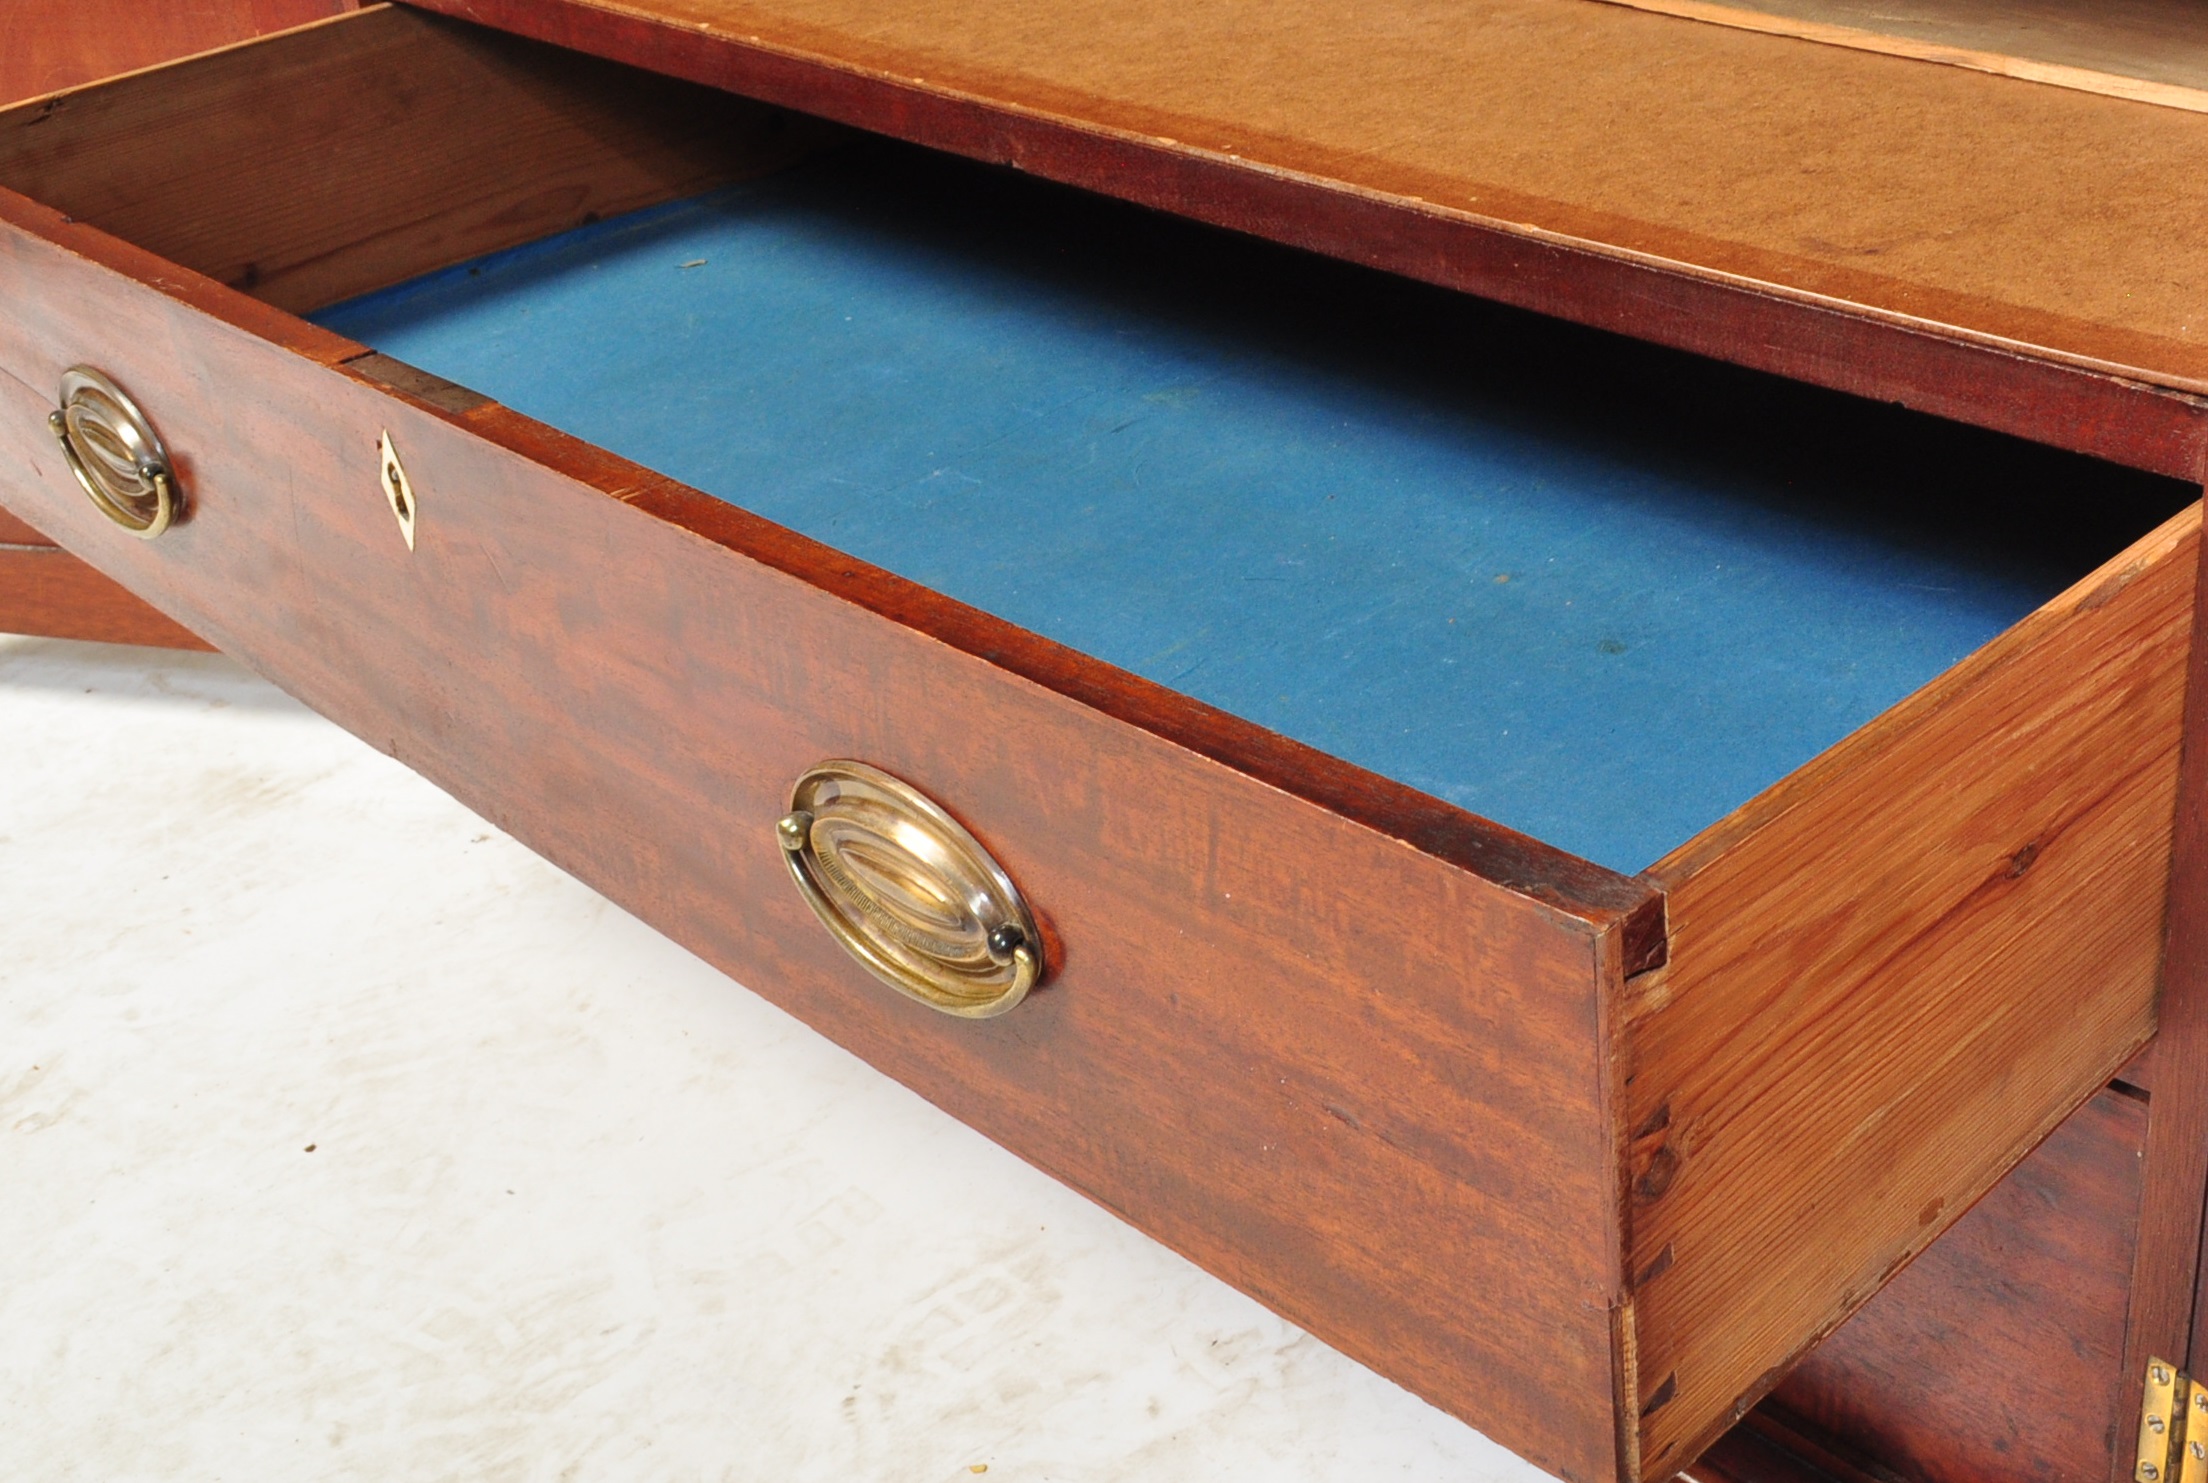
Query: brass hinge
column 2173, row 1427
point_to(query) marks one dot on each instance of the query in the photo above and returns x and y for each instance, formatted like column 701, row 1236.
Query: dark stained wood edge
column 1942, row 370
column 422, row 386
column 1562, row 882
column 46, row 592
column 2165, row 1319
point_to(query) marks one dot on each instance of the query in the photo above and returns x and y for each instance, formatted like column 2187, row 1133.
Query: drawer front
column 1352, row 1077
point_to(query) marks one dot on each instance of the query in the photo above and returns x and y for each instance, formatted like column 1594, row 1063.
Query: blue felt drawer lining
column 1550, row 578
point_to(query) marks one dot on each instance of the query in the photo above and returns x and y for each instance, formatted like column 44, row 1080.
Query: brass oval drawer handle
column 908, row 892
column 115, row 454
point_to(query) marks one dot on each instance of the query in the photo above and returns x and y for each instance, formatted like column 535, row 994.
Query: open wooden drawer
column 1832, row 821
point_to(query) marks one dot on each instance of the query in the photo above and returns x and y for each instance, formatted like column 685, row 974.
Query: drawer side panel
column 1889, row 980
column 1355, row 1080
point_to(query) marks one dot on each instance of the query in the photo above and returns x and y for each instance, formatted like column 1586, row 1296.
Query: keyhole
column 395, row 488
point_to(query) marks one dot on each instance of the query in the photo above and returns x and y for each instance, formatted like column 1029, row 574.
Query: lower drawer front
column 1368, row 1059
column 46, row 591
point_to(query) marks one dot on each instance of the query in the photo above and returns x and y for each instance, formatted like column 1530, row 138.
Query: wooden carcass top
column 1821, row 210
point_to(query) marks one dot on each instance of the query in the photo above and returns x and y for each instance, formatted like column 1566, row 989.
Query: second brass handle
column 117, row 458
column 905, row 890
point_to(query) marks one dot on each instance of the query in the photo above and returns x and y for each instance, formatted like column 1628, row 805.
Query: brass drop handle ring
column 116, row 455
column 908, row 892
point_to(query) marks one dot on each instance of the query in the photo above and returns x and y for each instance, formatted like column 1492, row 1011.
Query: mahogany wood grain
column 1302, row 1028
column 1996, row 1356
column 348, row 156
column 48, row 45
column 1893, row 974
column 1925, row 250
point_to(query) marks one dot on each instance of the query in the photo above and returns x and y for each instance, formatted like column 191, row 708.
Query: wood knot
column 1663, row 1167
column 2023, row 860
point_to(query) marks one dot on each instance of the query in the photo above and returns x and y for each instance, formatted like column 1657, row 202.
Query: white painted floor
column 341, row 1137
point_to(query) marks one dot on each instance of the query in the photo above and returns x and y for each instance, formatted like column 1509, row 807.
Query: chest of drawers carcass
column 1556, row 863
